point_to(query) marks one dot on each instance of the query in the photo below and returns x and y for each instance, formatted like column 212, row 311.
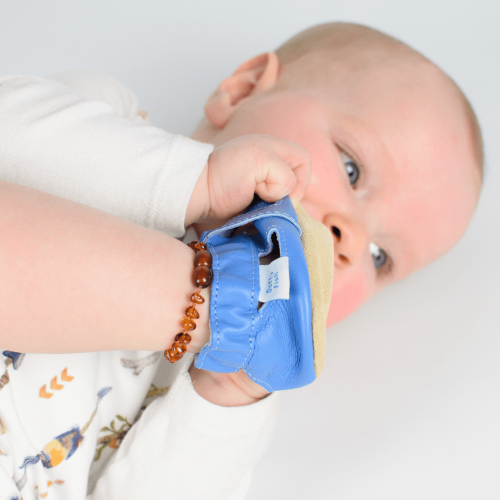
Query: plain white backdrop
column 408, row 406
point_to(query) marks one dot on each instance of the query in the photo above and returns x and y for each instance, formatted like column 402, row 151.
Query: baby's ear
column 255, row 75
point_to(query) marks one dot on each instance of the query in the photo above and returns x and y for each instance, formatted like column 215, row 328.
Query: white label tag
column 274, row 280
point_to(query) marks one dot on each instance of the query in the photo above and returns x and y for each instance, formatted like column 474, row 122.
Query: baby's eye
column 378, row 255
column 351, row 168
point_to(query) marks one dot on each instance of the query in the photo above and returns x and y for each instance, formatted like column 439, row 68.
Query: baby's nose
column 351, row 240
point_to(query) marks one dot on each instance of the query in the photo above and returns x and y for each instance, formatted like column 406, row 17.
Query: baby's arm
column 84, row 280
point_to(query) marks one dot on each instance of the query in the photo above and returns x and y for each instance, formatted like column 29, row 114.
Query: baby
column 396, row 148
column 394, row 171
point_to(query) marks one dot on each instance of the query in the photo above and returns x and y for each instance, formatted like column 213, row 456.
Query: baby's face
column 393, row 174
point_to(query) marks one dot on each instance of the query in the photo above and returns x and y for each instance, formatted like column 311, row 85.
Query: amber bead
column 179, row 349
column 192, row 313
column 171, row 355
column 175, row 352
column 203, row 258
column 196, row 298
column 202, row 276
column 200, row 246
column 183, row 338
column 192, row 245
column 188, row 324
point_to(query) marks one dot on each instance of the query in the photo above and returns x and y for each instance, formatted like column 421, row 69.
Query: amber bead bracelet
column 202, row 278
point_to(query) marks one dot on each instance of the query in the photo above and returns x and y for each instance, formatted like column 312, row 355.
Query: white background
column 408, row 406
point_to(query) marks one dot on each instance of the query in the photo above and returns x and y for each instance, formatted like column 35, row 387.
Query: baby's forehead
column 429, row 193
column 362, row 84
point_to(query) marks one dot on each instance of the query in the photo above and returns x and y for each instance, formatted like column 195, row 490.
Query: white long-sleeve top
column 69, row 424
column 78, row 136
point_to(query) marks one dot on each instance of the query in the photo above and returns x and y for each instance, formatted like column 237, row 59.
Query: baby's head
column 396, row 148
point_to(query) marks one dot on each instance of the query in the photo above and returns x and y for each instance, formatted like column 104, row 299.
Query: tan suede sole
column 317, row 241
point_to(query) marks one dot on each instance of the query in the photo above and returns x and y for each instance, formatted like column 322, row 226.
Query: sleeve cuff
column 174, row 186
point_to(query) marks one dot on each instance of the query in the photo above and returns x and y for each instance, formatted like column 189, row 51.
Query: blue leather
column 273, row 345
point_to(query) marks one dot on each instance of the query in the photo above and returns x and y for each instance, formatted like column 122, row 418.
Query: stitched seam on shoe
column 262, row 314
column 250, row 217
column 286, row 249
column 286, row 254
column 269, row 213
column 257, row 380
column 215, row 308
column 251, row 311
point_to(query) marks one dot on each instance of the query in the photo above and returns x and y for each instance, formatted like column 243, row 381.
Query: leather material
column 272, row 344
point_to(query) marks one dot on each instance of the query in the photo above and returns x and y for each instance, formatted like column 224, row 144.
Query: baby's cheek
column 347, row 297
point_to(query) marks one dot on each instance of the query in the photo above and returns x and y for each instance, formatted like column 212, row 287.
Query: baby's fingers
column 287, row 173
column 278, row 181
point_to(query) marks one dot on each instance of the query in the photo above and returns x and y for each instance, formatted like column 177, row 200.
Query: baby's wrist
column 199, row 204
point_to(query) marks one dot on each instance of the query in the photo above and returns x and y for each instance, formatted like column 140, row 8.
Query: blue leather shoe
column 261, row 315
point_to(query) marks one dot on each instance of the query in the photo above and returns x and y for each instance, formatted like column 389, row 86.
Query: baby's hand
column 226, row 389
column 252, row 164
